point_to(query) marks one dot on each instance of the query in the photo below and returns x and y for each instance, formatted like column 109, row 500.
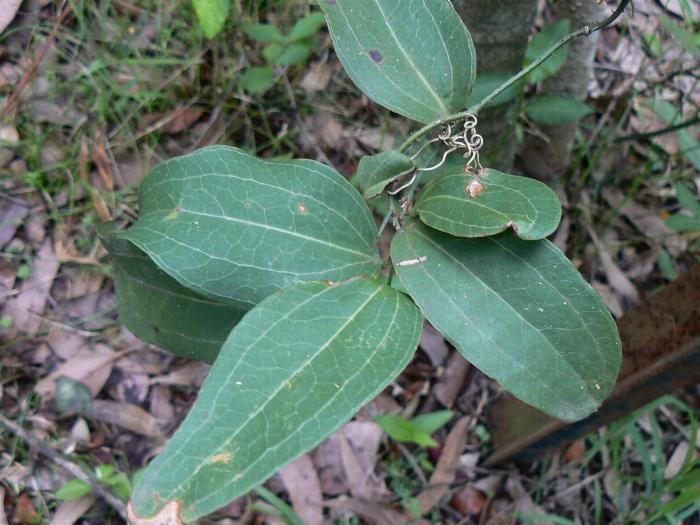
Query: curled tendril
column 465, row 139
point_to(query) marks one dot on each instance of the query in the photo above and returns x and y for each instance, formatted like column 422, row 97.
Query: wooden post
column 660, row 353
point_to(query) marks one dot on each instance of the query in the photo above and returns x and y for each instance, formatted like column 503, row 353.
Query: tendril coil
column 465, row 138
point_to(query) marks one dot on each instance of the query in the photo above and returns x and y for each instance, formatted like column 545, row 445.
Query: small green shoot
column 417, row 430
column 107, row 475
column 682, row 222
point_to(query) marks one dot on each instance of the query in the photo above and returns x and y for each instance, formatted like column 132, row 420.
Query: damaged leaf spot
column 376, row 56
column 173, row 215
column 302, row 208
column 474, row 189
column 224, row 457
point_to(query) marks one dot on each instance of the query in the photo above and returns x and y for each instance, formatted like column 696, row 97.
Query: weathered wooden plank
column 661, row 353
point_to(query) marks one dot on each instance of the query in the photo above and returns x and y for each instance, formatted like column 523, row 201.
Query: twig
column 13, row 100
column 585, row 30
column 67, row 465
column 650, row 134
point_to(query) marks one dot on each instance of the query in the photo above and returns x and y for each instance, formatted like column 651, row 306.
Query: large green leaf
column 519, row 311
column 376, row 172
column 159, row 310
column 540, row 43
column 478, row 206
column 234, row 227
column 411, row 56
column 295, row 369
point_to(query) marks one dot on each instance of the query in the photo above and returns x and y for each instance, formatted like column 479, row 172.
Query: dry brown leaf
column 452, row 380
column 304, row 489
column 168, row 515
column 8, row 10
column 433, row 344
column 127, row 416
column 316, row 78
column 91, row 368
column 675, row 462
column 468, row 501
column 374, row 513
column 191, row 374
column 69, row 512
column 445, row 469
column 359, row 443
column 12, row 213
column 647, row 221
column 27, row 308
column 617, row 279
column 575, row 452
column 161, row 406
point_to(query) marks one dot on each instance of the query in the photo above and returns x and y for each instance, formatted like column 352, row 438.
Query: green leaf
column 667, row 265
column 73, row 489
column 307, row 26
column 401, row 429
column 479, row 206
column 486, row 83
column 414, row 57
column 683, row 223
column 212, row 15
column 293, row 55
column 689, row 200
column 272, row 52
column 540, row 43
column 416, row 430
column 257, row 79
column 376, row 172
column 685, row 38
column 293, row 371
column 519, row 311
column 237, row 228
column 156, row 308
column 553, row 110
column 432, row 421
column 263, row 32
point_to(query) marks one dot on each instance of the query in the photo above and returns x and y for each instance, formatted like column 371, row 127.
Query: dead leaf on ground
column 646, row 220
column 190, row 374
column 445, row 470
column 8, row 10
column 452, row 380
column 69, row 512
column 469, row 501
column 12, row 213
column 27, row 308
column 304, row 489
column 617, row 279
column 317, row 78
column 174, row 122
column 374, row 513
column 92, row 368
column 676, row 461
column 610, row 298
column 433, row 344
column 127, row 416
column 359, row 443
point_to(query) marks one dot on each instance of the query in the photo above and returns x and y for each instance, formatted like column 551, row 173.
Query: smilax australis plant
column 270, row 270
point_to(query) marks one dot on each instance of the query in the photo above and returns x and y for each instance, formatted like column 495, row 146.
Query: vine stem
column 585, row 30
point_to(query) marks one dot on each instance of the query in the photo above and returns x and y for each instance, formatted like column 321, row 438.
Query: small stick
column 413, row 262
column 69, row 466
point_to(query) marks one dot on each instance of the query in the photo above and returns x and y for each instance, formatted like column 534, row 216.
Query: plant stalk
column 585, row 30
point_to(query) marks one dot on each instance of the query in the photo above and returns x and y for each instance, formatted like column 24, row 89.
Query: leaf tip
column 168, row 515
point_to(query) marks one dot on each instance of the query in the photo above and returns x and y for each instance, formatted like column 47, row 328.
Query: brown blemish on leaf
column 302, row 208
column 224, row 457
column 376, row 56
column 168, row 515
column 474, row 189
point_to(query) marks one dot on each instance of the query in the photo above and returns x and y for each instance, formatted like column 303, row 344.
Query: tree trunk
column 500, row 30
column 548, row 156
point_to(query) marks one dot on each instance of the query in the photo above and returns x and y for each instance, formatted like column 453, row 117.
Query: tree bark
column 548, row 156
column 500, row 30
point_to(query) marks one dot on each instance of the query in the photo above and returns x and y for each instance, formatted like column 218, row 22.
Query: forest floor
column 94, row 95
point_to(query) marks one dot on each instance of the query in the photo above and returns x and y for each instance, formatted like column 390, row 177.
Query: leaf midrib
column 230, row 375
column 526, row 321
